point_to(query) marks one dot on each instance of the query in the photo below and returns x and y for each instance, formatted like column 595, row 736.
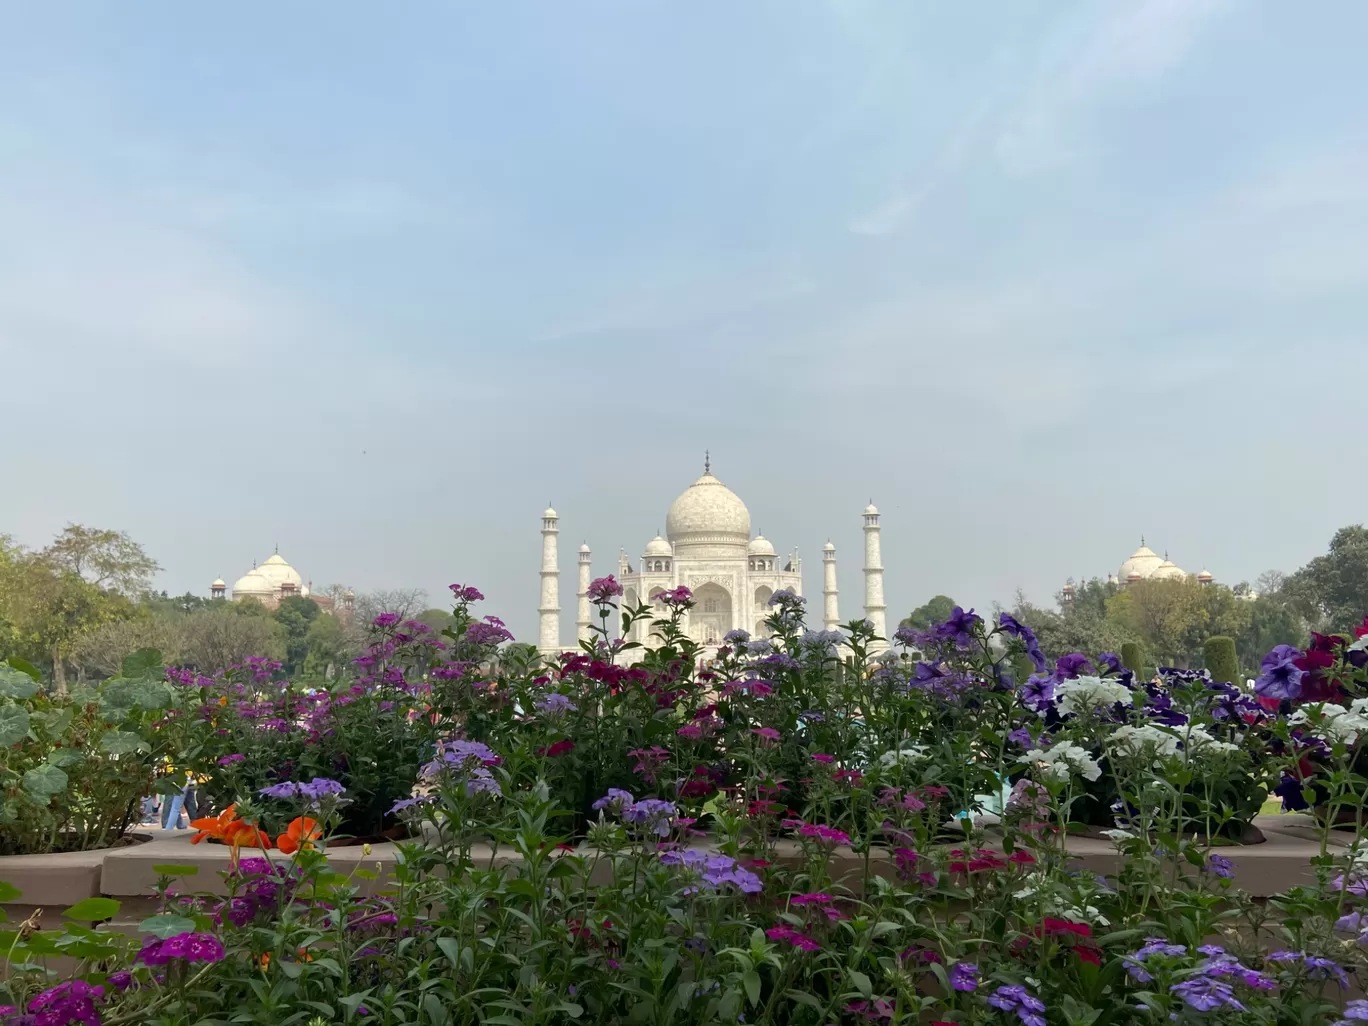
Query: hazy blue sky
column 375, row 282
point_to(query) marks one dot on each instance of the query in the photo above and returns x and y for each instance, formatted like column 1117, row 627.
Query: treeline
column 1171, row 620
column 77, row 607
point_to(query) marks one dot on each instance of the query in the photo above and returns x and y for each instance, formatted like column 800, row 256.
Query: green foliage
column 937, row 610
column 1221, row 661
column 295, row 614
column 1332, row 590
column 74, row 765
column 1131, row 657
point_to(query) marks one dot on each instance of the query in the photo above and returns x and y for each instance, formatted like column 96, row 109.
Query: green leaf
column 16, row 683
column 43, row 782
column 25, row 667
column 14, row 725
column 751, row 981
column 861, row 983
column 451, row 948
column 437, row 1011
column 142, row 663
column 172, row 869
column 64, row 757
column 122, row 742
column 8, row 892
column 94, row 910
column 166, row 926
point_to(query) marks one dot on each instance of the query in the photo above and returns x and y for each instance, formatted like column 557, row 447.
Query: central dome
column 708, row 512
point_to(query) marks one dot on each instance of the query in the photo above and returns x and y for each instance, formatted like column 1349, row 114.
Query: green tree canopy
column 1332, row 590
column 937, row 610
column 295, row 614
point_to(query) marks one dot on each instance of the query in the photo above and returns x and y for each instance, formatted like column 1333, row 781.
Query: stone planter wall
column 51, row 883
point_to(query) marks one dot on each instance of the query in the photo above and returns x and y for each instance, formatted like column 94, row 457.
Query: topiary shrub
column 1131, row 658
column 1221, row 661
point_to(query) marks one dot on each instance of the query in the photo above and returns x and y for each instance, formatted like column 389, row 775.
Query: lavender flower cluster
column 714, row 869
column 651, row 815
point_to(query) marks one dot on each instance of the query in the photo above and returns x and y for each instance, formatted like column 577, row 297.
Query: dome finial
column 707, row 462
column 1142, row 541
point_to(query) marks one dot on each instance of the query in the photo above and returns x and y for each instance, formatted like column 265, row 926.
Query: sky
column 374, row 283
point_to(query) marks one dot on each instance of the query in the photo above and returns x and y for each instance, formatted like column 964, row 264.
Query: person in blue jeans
column 184, row 801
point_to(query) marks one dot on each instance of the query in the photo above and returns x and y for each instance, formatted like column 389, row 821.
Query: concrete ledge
column 50, row 880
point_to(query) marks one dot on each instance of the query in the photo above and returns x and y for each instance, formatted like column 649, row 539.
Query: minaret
column 548, row 640
column 582, row 631
column 831, row 616
column 873, row 570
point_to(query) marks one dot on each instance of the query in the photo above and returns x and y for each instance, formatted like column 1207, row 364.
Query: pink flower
column 824, row 834
column 812, row 899
column 822, row 757
column 767, row 733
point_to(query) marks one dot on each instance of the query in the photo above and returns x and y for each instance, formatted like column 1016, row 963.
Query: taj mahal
column 707, row 548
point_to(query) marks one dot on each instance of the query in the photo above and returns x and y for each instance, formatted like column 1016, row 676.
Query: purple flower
column 386, row 620
column 736, row 637
column 1020, row 736
column 1110, row 661
column 319, row 788
column 787, row 598
column 553, row 704
column 1323, row 968
column 603, row 590
column 1071, row 665
column 192, row 947
column 1356, row 1009
column 405, row 804
column 72, row 1001
column 616, row 800
column 491, row 632
column 1152, row 946
column 1204, row 994
column 228, row 760
column 1038, row 692
column 1280, row 677
column 652, row 814
column 121, row 980
column 964, row 976
column 959, row 628
column 1220, row 866
column 288, row 789
column 466, row 593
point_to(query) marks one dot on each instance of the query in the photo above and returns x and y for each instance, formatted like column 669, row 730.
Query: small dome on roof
column 1167, row 571
column 1206, row 575
column 760, row 546
column 549, row 514
column 253, row 583
column 871, row 510
column 828, row 547
column 658, row 546
column 584, row 547
column 218, row 583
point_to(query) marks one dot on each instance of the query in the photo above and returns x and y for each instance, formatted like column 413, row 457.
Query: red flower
column 1090, row 955
column 1022, row 858
column 1362, row 629
column 559, row 748
column 1058, row 927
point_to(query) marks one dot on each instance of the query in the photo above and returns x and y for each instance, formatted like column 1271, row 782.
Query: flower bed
column 776, row 837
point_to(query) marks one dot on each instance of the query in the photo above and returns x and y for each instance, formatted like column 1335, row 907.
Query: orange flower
column 298, row 834
column 215, row 826
column 245, row 835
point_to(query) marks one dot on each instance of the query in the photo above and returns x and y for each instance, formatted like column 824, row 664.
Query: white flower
column 1118, row 835
column 1134, row 740
column 1333, row 722
column 1081, row 693
column 1359, row 645
column 911, row 754
column 1062, row 759
column 1087, row 914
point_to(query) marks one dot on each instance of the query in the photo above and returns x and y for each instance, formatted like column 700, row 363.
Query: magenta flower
column 823, row 757
column 679, row 598
column 824, row 834
column 603, row 590
column 466, row 593
column 386, row 620
column 228, row 760
column 767, row 733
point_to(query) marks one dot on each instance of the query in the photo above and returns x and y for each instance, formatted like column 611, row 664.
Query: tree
column 295, row 614
column 438, row 619
column 216, row 638
column 1332, row 590
column 327, row 648
column 1219, row 655
column 1272, row 622
column 936, row 611
column 407, row 602
column 109, row 560
column 101, row 652
column 1163, row 613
